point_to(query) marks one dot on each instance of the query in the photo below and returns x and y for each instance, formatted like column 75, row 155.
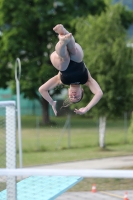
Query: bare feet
column 65, row 38
column 59, row 28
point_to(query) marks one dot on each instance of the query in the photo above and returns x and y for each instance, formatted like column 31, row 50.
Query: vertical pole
column 37, row 133
column 125, row 127
column 69, row 132
column 17, row 77
column 11, row 150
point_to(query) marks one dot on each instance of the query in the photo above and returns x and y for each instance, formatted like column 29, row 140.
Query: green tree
column 26, row 29
column 104, row 40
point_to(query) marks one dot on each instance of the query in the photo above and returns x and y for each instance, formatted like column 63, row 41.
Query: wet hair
column 67, row 102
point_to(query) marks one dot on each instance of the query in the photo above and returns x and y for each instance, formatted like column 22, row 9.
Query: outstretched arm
column 96, row 90
column 50, row 84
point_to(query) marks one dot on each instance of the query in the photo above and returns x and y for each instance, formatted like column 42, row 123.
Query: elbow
column 100, row 93
column 40, row 89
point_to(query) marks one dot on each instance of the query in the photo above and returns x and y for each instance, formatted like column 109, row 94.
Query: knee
column 52, row 55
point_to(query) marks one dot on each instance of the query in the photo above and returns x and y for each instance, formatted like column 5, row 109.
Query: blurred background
column 104, row 29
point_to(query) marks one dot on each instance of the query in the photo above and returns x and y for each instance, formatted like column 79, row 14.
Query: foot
column 59, row 28
column 65, row 38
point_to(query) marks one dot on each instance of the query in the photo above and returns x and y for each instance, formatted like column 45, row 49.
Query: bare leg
column 62, row 31
column 61, row 58
column 61, row 46
column 74, row 49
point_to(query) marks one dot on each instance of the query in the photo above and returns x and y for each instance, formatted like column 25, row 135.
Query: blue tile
column 43, row 187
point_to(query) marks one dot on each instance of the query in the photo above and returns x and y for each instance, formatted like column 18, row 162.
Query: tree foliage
column 108, row 58
column 26, row 28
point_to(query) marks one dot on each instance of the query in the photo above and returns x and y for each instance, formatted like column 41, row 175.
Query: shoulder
column 89, row 78
column 54, row 80
column 58, row 78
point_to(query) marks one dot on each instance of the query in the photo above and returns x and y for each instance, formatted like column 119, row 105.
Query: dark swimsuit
column 76, row 73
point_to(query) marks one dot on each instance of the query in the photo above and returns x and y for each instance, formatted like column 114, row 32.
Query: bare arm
column 50, row 84
column 96, row 90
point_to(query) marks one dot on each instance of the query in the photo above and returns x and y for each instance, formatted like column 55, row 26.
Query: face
column 75, row 93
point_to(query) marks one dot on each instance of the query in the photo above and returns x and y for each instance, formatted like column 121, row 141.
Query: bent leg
column 62, row 31
column 78, row 57
column 61, row 58
column 74, row 49
column 59, row 63
column 61, row 46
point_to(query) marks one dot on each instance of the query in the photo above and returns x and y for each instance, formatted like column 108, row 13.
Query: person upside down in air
column 68, row 59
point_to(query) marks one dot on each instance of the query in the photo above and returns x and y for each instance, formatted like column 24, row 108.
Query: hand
column 54, row 107
column 81, row 111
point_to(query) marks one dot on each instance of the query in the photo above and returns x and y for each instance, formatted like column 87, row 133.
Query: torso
column 76, row 73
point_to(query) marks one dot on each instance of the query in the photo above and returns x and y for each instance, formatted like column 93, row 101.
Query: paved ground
column 105, row 163
column 110, row 195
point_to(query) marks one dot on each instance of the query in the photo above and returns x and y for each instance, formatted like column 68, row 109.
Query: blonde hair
column 67, row 102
